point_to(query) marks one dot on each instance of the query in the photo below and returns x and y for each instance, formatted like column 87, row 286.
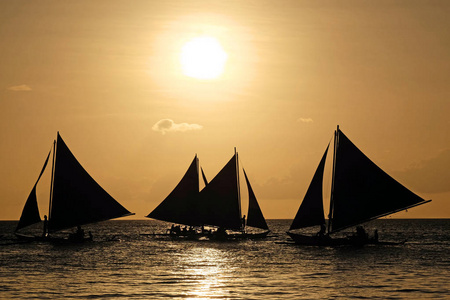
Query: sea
column 125, row 261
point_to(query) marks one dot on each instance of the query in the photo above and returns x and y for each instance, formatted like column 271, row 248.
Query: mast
column 238, row 185
column 51, row 181
column 197, row 168
column 330, row 213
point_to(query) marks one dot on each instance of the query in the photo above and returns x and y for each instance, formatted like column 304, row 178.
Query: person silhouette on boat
column 205, row 231
column 78, row 235
column 185, row 230
column 322, row 230
column 80, row 231
column 220, row 233
column 375, row 236
column 361, row 233
column 44, row 233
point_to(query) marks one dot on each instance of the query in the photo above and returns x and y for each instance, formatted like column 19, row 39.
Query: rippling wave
column 122, row 263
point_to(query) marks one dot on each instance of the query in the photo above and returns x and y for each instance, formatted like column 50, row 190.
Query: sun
column 203, row 58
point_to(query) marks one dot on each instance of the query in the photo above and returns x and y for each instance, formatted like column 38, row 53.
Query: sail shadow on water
column 360, row 192
column 76, row 199
column 215, row 211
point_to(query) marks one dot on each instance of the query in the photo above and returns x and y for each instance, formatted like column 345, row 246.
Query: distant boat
column 360, row 192
column 76, row 198
column 217, row 205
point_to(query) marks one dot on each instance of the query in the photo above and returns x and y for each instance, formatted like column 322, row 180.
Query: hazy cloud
column 167, row 125
column 20, row 88
column 290, row 185
column 428, row 176
column 305, row 120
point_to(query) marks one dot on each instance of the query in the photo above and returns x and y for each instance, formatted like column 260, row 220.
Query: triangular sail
column 179, row 206
column 30, row 213
column 219, row 203
column 77, row 198
column 255, row 216
column 311, row 211
column 363, row 191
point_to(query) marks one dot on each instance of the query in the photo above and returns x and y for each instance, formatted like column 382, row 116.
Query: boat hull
column 238, row 236
column 317, row 240
column 326, row 240
column 247, row 235
column 52, row 239
column 212, row 235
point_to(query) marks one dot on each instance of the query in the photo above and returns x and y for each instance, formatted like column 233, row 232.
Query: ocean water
column 122, row 263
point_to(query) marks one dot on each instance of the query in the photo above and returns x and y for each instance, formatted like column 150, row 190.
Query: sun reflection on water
column 210, row 272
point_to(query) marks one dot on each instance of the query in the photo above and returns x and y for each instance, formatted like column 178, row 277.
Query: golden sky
column 108, row 76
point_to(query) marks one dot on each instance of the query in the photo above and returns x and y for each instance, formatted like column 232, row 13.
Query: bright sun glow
column 203, row 58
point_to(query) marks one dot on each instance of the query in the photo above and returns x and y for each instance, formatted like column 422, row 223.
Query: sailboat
column 179, row 206
column 217, row 205
column 76, row 198
column 360, row 192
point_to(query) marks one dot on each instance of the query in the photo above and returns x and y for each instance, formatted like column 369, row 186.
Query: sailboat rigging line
column 51, row 181
column 336, row 145
column 380, row 216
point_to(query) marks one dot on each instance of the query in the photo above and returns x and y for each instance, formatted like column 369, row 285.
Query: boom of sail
column 75, row 198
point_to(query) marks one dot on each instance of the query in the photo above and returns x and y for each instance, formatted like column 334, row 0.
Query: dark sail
column 30, row 213
column 311, row 211
column 255, row 216
column 77, row 198
column 179, row 206
column 219, row 203
column 363, row 191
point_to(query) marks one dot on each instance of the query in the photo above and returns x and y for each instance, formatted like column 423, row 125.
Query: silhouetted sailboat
column 180, row 205
column 360, row 192
column 220, row 204
column 75, row 197
column 217, row 205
